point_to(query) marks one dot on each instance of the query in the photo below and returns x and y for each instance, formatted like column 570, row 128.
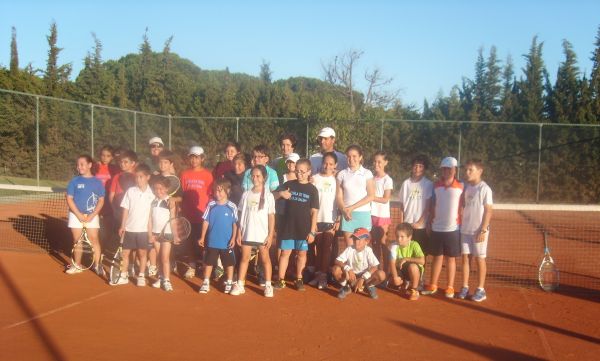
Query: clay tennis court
column 47, row 314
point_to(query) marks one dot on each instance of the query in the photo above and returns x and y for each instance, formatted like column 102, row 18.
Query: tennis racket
column 82, row 254
column 548, row 275
column 176, row 229
column 116, row 262
column 174, row 184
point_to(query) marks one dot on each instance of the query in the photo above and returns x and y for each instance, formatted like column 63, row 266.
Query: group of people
column 287, row 212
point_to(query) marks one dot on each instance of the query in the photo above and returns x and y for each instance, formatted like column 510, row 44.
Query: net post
column 170, row 122
column 92, row 127
column 135, row 131
column 237, row 129
column 459, row 148
column 37, row 140
column 537, row 191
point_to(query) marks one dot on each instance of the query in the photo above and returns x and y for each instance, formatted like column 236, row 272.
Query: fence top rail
column 383, row 120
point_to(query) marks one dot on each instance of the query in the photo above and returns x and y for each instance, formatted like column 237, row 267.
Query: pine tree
column 493, row 88
column 14, row 53
column 265, row 72
column 595, row 79
column 479, row 89
column 564, row 98
column 55, row 75
column 531, row 95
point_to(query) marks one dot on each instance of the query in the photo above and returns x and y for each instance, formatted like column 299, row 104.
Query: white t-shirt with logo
column 447, row 206
column 254, row 222
column 414, row 197
column 476, row 197
column 382, row 210
column 326, row 185
column 139, row 203
column 354, row 185
column 358, row 261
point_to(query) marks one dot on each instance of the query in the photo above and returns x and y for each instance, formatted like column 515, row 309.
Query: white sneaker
column 269, row 291
column 228, row 287
column 237, row 290
column 157, row 283
column 123, row 280
column 72, row 269
column 166, row 285
column 152, row 270
column 141, row 281
column 204, row 288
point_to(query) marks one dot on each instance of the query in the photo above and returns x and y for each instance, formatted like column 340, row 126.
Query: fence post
column 237, row 129
column 537, row 191
column 169, row 131
column 307, row 129
column 459, row 148
column 381, row 139
column 92, row 127
column 135, row 131
column 37, row 140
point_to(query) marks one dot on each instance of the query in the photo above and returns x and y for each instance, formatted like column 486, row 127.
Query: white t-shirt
column 254, row 222
column 316, row 160
column 326, row 186
column 414, row 197
column 447, row 206
column 382, row 210
column 359, row 261
column 161, row 213
column 354, row 185
column 475, row 198
column 138, row 203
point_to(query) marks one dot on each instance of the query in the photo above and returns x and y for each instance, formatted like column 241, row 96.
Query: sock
column 343, row 283
column 480, row 289
column 206, row 281
column 229, row 282
column 141, row 275
column 241, row 283
column 267, row 283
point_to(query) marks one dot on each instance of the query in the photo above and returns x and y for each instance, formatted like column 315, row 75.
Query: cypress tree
column 14, row 53
column 564, row 97
column 531, row 96
column 595, row 79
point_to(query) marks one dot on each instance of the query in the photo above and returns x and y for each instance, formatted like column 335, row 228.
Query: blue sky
column 426, row 46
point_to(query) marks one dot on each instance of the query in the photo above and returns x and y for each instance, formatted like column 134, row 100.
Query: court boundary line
column 56, row 310
column 540, row 332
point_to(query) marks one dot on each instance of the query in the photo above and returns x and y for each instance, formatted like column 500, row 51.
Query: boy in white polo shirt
column 474, row 230
column 136, row 234
column 445, row 224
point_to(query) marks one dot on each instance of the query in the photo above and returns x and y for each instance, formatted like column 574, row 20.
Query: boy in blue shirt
column 220, row 228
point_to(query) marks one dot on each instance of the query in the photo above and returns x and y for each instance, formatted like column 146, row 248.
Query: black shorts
column 211, row 257
column 167, row 237
column 403, row 272
column 136, row 240
column 445, row 244
column 420, row 236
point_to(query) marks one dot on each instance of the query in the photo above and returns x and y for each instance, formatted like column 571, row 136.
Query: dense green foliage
column 203, row 106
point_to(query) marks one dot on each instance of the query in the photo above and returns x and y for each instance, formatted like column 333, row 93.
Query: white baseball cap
column 327, row 132
column 449, row 162
column 196, row 150
column 155, row 140
column 294, row 157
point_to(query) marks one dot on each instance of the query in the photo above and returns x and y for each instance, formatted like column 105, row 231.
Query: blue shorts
column 294, row 244
column 359, row 220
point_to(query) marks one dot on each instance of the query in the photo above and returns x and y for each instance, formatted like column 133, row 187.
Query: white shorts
column 471, row 246
column 75, row 223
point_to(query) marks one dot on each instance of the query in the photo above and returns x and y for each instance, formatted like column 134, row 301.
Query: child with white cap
column 444, row 225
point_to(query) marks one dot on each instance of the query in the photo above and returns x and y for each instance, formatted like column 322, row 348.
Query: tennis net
column 516, row 245
column 32, row 218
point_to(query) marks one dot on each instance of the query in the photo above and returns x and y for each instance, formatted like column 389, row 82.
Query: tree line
column 161, row 82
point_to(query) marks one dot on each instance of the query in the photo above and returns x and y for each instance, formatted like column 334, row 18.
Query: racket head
column 548, row 275
column 174, row 184
column 115, row 264
column 181, row 228
column 83, row 246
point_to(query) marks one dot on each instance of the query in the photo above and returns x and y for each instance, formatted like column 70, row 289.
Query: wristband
column 314, row 234
column 366, row 275
column 347, row 268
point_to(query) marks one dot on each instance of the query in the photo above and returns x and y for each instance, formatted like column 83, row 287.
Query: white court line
column 48, row 313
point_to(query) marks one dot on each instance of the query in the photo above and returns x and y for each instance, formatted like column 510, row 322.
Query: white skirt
column 75, row 223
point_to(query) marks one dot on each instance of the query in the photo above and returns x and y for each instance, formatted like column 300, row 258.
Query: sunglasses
column 156, row 146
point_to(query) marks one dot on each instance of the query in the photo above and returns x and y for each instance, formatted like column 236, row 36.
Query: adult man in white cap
column 326, row 140
column 156, row 147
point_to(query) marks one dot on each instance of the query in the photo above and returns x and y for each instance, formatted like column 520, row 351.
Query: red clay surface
column 48, row 315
